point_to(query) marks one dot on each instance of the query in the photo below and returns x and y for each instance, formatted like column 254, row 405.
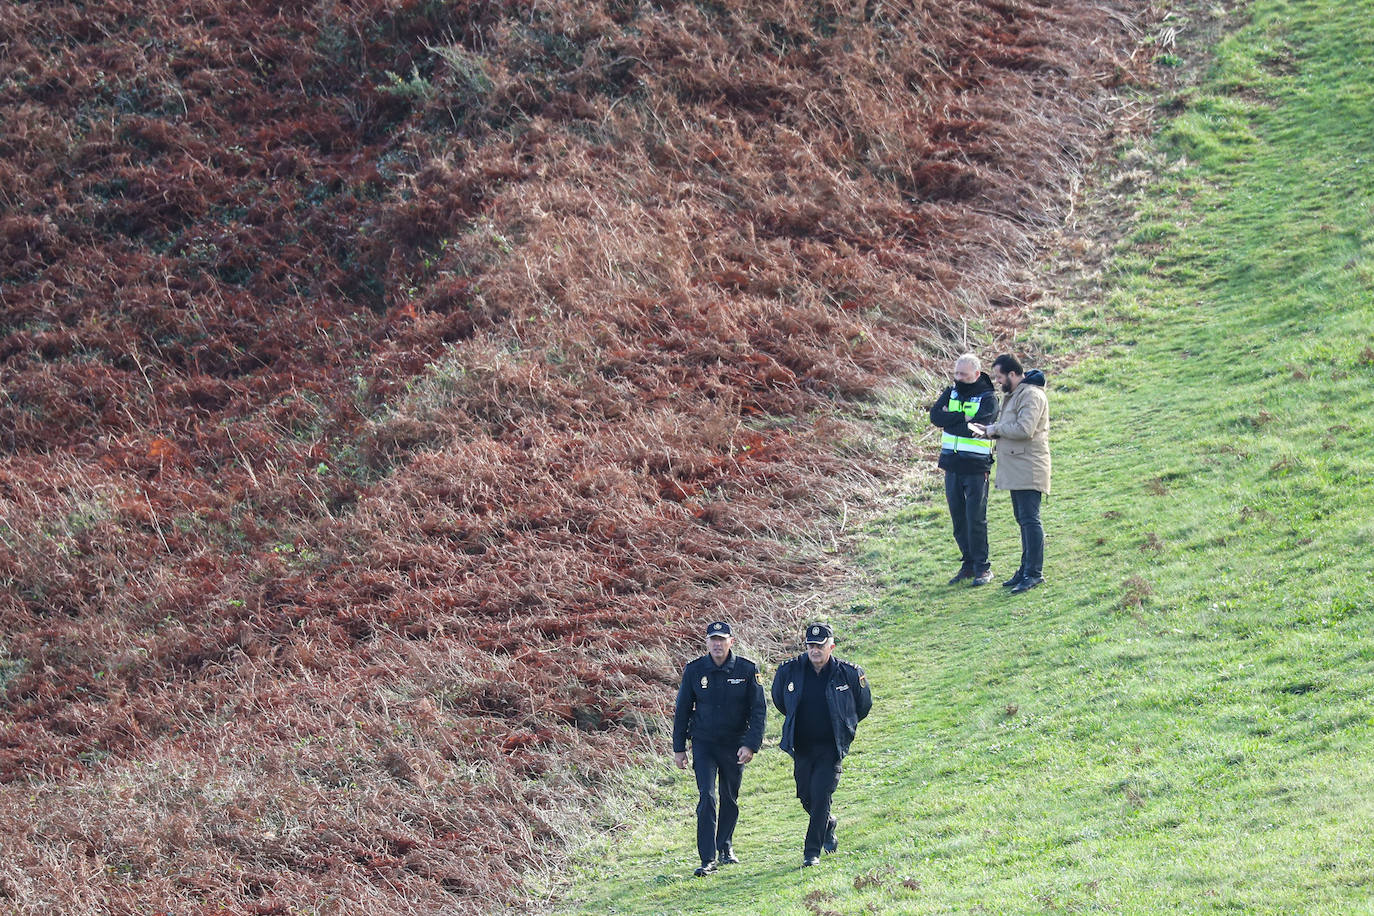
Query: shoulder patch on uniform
column 863, row 680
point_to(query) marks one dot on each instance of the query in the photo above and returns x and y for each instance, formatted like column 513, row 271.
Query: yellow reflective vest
column 959, row 405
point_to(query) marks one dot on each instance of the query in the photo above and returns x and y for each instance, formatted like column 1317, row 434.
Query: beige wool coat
column 1022, row 432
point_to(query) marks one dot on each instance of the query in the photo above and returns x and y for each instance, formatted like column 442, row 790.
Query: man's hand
column 745, row 755
column 979, row 430
column 680, row 758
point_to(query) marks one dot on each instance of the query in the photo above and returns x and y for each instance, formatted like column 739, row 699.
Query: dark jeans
column 717, row 768
column 1025, row 506
column 967, row 495
column 817, row 773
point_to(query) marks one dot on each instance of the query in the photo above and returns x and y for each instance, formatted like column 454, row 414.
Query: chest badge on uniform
column 791, row 685
column 704, row 682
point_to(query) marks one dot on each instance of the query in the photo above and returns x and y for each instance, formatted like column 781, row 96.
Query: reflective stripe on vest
column 952, row 443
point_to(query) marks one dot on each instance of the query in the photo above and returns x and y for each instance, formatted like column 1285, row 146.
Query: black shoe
column 1011, row 583
column 961, row 575
column 811, row 860
column 983, row 578
column 726, row 856
column 1026, row 584
column 705, row 869
column 830, row 844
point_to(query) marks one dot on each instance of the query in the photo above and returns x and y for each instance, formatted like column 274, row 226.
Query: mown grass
column 1180, row 721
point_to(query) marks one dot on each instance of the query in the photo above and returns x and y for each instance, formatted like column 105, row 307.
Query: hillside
column 389, row 389
column 1179, row 720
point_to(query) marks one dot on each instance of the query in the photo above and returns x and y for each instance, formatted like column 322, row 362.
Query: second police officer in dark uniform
column 721, row 708
column 822, row 700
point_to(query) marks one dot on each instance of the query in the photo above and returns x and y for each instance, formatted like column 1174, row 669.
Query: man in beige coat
column 1022, row 432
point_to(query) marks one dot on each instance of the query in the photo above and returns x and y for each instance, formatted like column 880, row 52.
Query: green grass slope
column 1180, row 721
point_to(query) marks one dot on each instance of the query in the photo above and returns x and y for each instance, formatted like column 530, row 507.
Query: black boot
column 963, row 573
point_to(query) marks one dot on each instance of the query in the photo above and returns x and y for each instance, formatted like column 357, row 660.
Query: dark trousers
column 718, row 772
column 1025, row 506
column 967, row 495
column 817, row 774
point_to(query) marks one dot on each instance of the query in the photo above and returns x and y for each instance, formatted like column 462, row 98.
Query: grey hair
column 968, row 359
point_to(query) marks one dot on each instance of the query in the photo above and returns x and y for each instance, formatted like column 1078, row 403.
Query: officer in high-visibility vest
column 966, row 460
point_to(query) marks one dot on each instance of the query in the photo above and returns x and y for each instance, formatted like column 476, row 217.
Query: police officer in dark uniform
column 721, row 708
column 822, row 700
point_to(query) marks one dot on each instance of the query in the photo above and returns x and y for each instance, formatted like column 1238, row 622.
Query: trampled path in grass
column 1180, row 721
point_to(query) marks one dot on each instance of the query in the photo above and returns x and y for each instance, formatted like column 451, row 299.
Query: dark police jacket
column 720, row 705
column 959, row 405
column 847, row 696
